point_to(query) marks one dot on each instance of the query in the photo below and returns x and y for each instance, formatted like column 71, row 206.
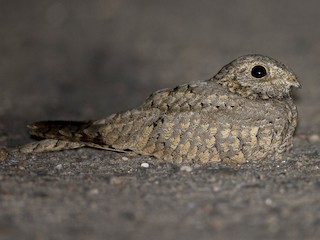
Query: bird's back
column 197, row 122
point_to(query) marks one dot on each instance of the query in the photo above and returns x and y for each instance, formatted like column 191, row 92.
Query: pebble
column 125, row 158
column 145, row 165
column 94, row 191
column 186, row 168
column 216, row 187
column 268, row 202
column 314, row 138
column 58, row 167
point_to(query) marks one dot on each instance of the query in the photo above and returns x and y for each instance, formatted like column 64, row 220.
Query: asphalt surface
column 78, row 60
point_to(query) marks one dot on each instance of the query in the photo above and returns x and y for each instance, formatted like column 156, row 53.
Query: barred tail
column 60, row 130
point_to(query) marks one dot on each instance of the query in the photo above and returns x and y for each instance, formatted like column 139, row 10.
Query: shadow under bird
column 243, row 113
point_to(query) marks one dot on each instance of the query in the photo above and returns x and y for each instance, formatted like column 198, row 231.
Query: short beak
column 294, row 82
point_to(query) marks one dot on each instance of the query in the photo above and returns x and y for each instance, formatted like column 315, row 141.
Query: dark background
column 77, row 60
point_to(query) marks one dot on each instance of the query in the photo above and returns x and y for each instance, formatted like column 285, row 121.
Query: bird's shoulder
column 213, row 101
column 195, row 97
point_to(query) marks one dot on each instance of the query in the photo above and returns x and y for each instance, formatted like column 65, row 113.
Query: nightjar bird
column 243, row 113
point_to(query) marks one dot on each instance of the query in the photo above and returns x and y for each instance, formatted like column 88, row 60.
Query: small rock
column 94, row 191
column 144, row 165
column 314, row 138
column 299, row 164
column 186, row 168
column 216, row 186
column 268, row 202
column 58, row 167
column 125, row 158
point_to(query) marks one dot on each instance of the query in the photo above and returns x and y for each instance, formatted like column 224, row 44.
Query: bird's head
column 258, row 76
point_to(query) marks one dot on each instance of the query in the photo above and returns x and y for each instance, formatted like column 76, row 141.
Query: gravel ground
column 77, row 60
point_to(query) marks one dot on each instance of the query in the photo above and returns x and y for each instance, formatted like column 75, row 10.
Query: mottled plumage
column 243, row 113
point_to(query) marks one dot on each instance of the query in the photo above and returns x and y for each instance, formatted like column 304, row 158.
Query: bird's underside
column 199, row 122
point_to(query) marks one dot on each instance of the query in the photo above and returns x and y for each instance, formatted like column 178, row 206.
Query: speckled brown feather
column 231, row 117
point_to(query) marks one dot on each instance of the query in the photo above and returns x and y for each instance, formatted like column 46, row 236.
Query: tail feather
column 61, row 130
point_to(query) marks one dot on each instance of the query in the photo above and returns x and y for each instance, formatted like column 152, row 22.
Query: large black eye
column 258, row 71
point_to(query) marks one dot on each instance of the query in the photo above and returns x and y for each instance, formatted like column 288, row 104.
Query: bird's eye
column 258, row 71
